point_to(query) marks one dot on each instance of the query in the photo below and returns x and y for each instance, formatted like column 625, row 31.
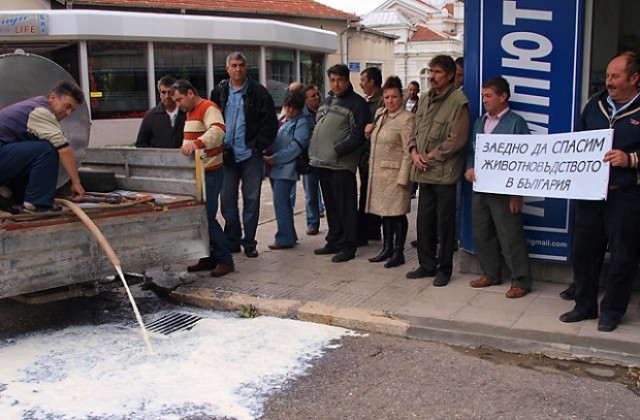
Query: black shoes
column 607, row 325
column 420, row 273
column 576, row 316
column 326, row 250
column 384, row 255
column 396, row 260
column 442, row 279
column 343, row 257
column 569, row 293
column 604, row 324
column 250, row 252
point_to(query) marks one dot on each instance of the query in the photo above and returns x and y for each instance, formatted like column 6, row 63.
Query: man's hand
column 419, row 161
column 188, row 147
column 470, row 175
column 78, row 190
column 617, row 158
column 268, row 160
column 515, row 204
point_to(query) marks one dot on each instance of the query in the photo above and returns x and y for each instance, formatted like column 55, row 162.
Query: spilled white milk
column 222, row 367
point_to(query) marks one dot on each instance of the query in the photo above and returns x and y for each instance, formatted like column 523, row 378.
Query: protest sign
column 564, row 165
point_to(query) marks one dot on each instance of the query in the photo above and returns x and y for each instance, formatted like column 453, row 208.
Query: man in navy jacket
column 613, row 222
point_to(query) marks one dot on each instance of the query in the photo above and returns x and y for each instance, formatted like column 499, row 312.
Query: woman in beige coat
column 389, row 191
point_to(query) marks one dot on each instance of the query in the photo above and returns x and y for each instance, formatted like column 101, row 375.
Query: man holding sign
column 497, row 219
column 615, row 221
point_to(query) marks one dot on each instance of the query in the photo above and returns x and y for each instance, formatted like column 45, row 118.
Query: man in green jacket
column 442, row 130
column 334, row 153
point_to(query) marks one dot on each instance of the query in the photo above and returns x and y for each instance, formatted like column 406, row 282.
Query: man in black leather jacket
column 251, row 123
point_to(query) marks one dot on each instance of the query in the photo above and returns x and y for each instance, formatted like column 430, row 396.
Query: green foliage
column 248, row 311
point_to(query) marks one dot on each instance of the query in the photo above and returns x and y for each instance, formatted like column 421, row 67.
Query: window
column 182, row 61
column 312, row 69
column 117, row 79
column 280, row 73
column 220, row 53
column 615, row 29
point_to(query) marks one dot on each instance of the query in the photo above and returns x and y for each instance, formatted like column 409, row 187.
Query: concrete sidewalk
column 366, row 296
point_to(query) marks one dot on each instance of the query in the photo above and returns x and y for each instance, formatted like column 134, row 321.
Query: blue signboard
column 536, row 46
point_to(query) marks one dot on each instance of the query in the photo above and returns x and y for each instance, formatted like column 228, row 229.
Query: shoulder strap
column 293, row 136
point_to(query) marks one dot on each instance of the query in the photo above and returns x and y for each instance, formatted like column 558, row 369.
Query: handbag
column 302, row 161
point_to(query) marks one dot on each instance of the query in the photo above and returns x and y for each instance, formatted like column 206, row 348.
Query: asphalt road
column 379, row 377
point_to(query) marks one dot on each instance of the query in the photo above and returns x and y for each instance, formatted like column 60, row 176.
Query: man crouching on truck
column 204, row 130
column 32, row 144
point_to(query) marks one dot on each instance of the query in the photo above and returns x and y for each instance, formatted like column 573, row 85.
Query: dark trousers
column 436, row 222
column 339, row 190
column 30, row 169
column 368, row 224
column 597, row 223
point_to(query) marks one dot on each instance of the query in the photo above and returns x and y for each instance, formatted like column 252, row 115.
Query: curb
column 350, row 318
column 433, row 330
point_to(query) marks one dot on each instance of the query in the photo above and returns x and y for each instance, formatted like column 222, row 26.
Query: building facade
column 117, row 56
column 424, row 29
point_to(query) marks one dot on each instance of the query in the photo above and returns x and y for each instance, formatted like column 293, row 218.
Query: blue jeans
column 286, row 234
column 30, row 169
column 313, row 200
column 218, row 243
column 250, row 172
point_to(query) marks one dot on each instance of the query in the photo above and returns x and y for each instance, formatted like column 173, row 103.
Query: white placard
column 564, row 165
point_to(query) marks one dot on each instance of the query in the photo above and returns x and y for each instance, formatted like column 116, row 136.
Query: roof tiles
column 305, row 8
column 424, row 33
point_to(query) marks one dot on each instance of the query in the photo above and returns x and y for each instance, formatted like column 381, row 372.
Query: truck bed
column 47, row 253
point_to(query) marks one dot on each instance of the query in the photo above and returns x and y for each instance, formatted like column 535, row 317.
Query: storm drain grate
column 172, row 322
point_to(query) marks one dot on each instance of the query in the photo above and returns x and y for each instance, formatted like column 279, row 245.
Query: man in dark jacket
column 252, row 125
column 335, row 149
column 368, row 224
column 163, row 125
column 613, row 222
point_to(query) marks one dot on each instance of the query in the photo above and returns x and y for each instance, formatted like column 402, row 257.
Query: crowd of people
column 394, row 145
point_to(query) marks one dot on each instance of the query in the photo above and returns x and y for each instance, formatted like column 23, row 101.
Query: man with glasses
column 163, row 125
